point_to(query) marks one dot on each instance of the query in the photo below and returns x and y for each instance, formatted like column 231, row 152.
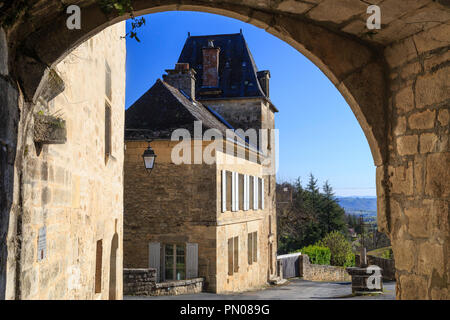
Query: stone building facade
column 72, row 210
column 207, row 210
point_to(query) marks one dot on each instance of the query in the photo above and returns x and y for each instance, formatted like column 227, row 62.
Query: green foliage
column 340, row 248
column 309, row 216
column 317, row 254
column 122, row 7
column 387, row 254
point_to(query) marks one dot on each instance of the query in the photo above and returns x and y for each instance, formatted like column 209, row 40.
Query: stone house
column 199, row 218
column 73, row 177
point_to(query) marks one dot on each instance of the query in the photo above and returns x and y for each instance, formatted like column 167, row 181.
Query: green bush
column 317, row 254
column 387, row 254
column 340, row 248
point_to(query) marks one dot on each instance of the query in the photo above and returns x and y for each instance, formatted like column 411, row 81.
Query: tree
column 309, row 216
column 331, row 215
column 340, row 248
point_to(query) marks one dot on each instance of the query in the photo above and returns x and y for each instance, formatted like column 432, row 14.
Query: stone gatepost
column 366, row 279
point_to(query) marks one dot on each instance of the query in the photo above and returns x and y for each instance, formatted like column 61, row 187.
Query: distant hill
column 357, row 205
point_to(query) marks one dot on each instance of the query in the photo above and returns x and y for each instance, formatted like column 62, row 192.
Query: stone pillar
column 418, row 174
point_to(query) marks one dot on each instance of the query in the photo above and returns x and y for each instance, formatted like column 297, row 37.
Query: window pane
column 255, row 246
column 236, row 254
column 241, row 191
column 230, row 256
column 251, row 189
column 168, row 262
column 229, row 186
column 250, row 244
column 180, row 267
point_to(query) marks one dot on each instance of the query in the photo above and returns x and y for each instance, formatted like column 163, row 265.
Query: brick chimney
column 263, row 78
column 210, row 65
column 182, row 78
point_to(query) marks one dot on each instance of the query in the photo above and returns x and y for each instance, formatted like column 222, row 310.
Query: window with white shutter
column 255, row 193
column 224, row 190
column 236, row 191
column 262, row 193
column 154, row 260
column 246, row 193
column 229, row 182
column 251, row 194
column 241, row 191
column 191, row 260
column 233, row 191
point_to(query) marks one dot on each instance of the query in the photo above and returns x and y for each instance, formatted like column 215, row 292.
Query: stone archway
column 393, row 79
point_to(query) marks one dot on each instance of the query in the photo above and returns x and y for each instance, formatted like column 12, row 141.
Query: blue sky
column 318, row 131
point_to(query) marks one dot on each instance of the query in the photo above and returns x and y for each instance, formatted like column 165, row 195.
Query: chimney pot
column 182, row 77
column 210, row 65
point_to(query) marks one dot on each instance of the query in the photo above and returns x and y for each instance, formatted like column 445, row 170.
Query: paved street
column 295, row 289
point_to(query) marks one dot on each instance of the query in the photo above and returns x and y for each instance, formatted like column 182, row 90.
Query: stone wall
column 317, row 272
column 139, row 282
column 169, row 288
column 71, row 195
column 418, row 175
column 388, row 266
column 174, row 204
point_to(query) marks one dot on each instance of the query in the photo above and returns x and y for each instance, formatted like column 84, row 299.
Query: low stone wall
column 139, row 282
column 388, row 266
column 289, row 264
column 178, row 287
column 142, row 282
column 317, row 272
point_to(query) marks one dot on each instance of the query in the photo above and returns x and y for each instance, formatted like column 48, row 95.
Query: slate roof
column 237, row 69
column 162, row 109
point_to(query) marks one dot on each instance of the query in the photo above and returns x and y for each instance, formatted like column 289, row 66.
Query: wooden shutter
column 236, row 254
column 262, row 193
column 107, row 130
column 255, row 246
column 154, row 258
column 191, row 260
column 230, row 256
column 224, row 190
column 250, row 251
column 98, row 266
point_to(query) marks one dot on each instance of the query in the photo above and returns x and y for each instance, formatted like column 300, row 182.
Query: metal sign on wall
column 42, row 243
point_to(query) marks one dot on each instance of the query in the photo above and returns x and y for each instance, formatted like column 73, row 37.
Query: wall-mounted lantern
column 149, row 157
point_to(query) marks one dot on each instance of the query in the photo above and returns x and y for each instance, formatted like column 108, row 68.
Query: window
column 251, row 196
column 252, row 247
column 246, row 192
column 108, row 91
column 233, row 255
column 255, row 193
column 224, row 190
column 174, row 262
column 98, row 267
column 107, row 130
column 229, row 189
column 241, row 191
column 260, row 193
column 270, row 224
